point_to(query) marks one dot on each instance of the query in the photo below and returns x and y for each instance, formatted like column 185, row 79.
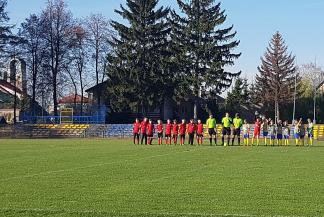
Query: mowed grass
column 71, row 178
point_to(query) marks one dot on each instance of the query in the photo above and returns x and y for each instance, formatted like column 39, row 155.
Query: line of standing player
column 231, row 128
column 144, row 132
column 279, row 133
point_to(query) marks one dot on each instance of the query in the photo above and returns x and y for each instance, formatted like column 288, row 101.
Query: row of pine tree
column 161, row 54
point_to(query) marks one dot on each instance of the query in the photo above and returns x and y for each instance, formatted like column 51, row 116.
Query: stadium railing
column 44, row 130
column 63, row 119
column 94, row 130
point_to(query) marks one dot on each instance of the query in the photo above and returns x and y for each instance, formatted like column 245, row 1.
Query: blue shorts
column 265, row 134
column 246, row 136
column 310, row 135
column 296, row 135
column 286, row 136
column 272, row 136
column 279, row 136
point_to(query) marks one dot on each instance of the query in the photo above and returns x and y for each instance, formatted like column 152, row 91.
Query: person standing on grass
column 182, row 131
column 302, row 132
column 191, row 129
column 211, row 126
column 237, row 122
column 168, row 130
column 265, row 130
column 257, row 131
column 200, row 132
column 296, row 132
column 159, row 129
column 150, row 131
column 136, row 131
column 279, row 133
column 272, row 132
column 227, row 123
column 175, row 132
column 246, row 132
column 143, row 131
column 286, row 133
column 310, row 132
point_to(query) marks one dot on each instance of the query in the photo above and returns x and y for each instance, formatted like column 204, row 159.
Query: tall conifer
column 137, row 67
column 204, row 49
column 275, row 84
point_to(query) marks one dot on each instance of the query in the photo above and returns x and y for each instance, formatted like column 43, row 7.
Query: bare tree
column 79, row 57
column 58, row 26
column 315, row 77
column 33, row 49
column 98, row 35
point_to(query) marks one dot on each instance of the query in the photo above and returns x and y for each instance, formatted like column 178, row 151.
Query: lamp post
column 295, row 93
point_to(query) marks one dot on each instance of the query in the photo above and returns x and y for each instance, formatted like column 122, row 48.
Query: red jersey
column 182, row 129
column 200, row 129
column 143, row 126
column 175, row 129
column 136, row 127
column 168, row 129
column 150, row 129
column 159, row 128
column 191, row 128
column 257, row 126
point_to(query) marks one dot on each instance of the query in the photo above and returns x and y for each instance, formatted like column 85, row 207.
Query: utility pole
column 295, row 95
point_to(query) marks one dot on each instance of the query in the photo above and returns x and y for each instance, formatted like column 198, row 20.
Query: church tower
column 17, row 74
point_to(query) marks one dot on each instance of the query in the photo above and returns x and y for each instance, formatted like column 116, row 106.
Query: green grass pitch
column 97, row 178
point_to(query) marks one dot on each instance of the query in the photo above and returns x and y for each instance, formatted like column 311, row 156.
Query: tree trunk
column 278, row 111
column 314, row 120
column 55, row 94
column 196, row 110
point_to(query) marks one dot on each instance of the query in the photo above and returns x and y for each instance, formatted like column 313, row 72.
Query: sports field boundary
column 131, row 214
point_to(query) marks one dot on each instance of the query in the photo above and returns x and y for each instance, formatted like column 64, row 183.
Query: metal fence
column 64, row 119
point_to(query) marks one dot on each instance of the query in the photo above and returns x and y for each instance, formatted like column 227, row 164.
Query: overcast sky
column 300, row 21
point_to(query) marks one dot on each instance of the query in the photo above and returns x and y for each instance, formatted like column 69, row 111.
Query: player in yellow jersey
column 246, row 133
column 227, row 123
column 310, row 132
column 211, row 126
column 286, row 133
column 237, row 123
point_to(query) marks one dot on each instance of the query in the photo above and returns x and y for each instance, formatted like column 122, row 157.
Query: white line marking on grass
column 92, row 166
column 116, row 213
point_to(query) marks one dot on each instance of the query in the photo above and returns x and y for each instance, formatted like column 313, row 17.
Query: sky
column 301, row 23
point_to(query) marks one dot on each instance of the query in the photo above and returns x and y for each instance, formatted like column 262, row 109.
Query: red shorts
column 257, row 132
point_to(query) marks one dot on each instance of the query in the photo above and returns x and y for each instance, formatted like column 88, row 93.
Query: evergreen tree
column 5, row 28
column 136, row 67
column 275, row 84
column 238, row 96
column 204, row 49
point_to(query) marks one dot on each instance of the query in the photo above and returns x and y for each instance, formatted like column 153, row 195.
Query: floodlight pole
column 315, row 90
column 314, row 120
column 295, row 93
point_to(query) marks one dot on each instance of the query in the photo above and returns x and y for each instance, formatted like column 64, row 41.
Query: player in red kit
column 150, row 131
column 143, row 131
column 191, row 129
column 200, row 132
column 168, row 130
column 182, row 131
column 136, row 131
column 257, row 131
column 159, row 129
column 175, row 131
